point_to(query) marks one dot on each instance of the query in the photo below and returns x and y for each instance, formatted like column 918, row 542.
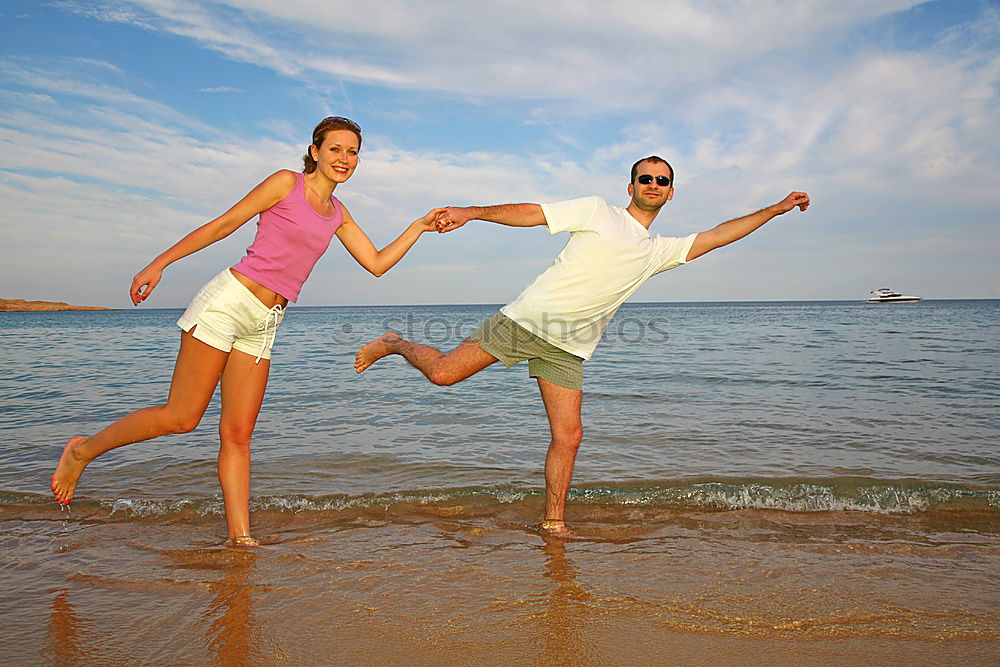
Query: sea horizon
column 499, row 304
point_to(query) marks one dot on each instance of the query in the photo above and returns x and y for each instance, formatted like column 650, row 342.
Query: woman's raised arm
column 272, row 190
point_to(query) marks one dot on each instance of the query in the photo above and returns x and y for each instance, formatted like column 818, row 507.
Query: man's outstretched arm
column 734, row 230
column 513, row 215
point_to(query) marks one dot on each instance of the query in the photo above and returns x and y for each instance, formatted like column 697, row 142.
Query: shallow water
column 769, row 481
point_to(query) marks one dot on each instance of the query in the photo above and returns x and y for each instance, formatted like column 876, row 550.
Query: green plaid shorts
column 511, row 343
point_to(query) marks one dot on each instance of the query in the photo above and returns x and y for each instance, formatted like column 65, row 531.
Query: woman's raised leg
column 196, row 374
column 243, row 385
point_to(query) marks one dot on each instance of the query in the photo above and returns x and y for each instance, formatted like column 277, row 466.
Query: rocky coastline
column 22, row 305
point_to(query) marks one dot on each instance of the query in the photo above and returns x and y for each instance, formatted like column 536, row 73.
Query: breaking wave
column 867, row 496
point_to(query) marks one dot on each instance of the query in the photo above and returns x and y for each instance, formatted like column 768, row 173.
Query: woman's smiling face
column 337, row 157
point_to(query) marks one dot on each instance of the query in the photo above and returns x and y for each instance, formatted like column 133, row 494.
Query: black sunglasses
column 646, row 179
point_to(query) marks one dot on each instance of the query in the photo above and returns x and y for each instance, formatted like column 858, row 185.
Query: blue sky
column 125, row 124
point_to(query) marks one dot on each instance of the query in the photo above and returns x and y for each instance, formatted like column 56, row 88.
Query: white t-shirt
column 608, row 257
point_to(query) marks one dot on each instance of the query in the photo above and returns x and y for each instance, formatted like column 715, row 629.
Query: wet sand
column 439, row 585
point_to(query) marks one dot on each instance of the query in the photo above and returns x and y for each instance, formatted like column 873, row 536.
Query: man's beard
column 643, row 205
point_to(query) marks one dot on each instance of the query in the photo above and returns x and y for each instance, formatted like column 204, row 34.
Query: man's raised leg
column 562, row 406
column 442, row 369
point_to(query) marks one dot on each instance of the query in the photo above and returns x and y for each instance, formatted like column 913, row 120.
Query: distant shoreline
column 23, row 306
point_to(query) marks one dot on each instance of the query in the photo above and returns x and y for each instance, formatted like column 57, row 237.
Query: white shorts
column 229, row 317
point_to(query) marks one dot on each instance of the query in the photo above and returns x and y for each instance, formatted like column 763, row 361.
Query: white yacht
column 886, row 295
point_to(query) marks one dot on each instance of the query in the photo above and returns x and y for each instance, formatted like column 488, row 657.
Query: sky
column 125, row 124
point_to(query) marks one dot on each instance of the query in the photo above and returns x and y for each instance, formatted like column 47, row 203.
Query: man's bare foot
column 558, row 529
column 242, row 541
column 68, row 471
column 375, row 350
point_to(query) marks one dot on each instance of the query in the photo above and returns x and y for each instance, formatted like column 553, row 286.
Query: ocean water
column 769, row 473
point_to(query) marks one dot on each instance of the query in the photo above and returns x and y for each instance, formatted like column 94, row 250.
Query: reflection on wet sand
column 567, row 605
column 232, row 634
column 65, row 630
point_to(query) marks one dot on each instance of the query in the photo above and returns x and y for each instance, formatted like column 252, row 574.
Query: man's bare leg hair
column 562, row 406
column 442, row 369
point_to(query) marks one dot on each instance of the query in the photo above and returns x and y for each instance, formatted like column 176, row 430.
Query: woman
column 228, row 330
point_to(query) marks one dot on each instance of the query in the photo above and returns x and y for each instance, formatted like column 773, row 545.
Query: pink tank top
column 291, row 237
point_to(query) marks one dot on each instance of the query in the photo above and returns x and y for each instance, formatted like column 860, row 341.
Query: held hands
column 799, row 199
column 429, row 222
column 452, row 218
column 148, row 278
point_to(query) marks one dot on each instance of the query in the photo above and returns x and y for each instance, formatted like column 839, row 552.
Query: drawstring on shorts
column 274, row 312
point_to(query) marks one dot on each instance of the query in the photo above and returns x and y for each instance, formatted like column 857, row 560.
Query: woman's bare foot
column 375, row 350
column 242, row 541
column 68, row 470
column 558, row 529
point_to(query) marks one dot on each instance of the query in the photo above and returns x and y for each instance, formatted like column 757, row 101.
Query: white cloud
column 761, row 70
column 74, row 81
column 601, row 55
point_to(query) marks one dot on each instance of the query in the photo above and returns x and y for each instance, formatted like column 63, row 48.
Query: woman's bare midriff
column 267, row 297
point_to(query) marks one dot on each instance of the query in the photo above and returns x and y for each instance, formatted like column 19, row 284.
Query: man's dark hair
column 651, row 158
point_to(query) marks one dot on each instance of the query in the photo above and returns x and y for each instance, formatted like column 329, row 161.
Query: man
column 559, row 318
